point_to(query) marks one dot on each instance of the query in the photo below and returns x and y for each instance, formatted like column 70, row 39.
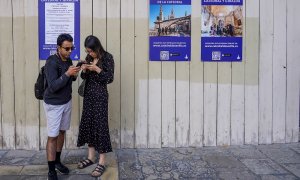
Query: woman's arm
column 106, row 74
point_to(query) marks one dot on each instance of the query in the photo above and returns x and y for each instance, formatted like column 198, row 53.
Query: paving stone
column 235, row 173
column 263, row 166
column 39, row 158
column 74, row 156
column 158, row 154
column 111, row 159
column 35, row 170
column 17, row 157
column 294, row 168
column 130, row 170
column 20, row 153
column 78, row 177
column 222, row 161
column 282, row 155
column 272, row 146
column 247, row 153
column 15, row 161
column 296, row 148
column 224, row 151
column 77, row 152
column 127, row 155
column 293, row 144
column 74, row 170
column 278, row 177
column 111, row 173
column 2, row 152
column 201, row 173
column 10, row 170
column 10, row 177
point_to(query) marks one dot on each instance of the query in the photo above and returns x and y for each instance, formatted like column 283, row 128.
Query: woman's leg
column 100, row 168
column 102, row 159
column 91, row 153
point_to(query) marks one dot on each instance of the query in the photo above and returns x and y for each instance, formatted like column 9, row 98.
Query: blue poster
column 222, row 30
column 57, row 17
column 170, row 30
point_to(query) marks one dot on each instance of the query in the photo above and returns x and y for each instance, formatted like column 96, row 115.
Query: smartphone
column 80, row 63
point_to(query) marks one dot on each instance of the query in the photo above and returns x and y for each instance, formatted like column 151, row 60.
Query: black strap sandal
column 84, row 163
column 98, row 171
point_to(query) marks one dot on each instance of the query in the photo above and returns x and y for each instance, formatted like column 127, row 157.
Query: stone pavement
column 32, row 165
column 278, row 161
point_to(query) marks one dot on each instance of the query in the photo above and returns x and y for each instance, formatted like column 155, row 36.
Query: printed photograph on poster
column 55, row 18
column 222, row 21
column 221, row 30
column 169, row 30
column 170, row 25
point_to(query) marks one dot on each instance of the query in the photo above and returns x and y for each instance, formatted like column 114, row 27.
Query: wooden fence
column 162, row 104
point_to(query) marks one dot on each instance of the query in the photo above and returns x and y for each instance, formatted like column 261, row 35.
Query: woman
column 93, row 130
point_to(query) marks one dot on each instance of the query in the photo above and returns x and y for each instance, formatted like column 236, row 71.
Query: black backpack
column 40, row 84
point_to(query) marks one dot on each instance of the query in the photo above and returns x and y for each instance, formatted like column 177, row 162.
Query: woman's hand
column 93, row 67
column 84, row 67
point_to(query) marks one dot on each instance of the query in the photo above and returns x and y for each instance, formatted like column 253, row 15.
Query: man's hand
column 73, row 71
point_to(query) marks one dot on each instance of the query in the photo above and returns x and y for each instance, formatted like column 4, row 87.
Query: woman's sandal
column 85, row 163
column 98, row 171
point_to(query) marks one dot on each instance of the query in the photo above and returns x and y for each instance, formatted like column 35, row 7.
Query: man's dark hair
column 64, row 37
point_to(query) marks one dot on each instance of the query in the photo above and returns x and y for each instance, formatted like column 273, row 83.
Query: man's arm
column 55, row 82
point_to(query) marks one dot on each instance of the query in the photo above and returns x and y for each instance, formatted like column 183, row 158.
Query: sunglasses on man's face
column 69, row 48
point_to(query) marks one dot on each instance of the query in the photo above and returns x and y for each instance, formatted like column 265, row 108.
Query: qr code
column 164, row 55
column 216, row 55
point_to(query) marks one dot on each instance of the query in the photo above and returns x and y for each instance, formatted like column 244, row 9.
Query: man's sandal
column 98, row 171
column 84, row 163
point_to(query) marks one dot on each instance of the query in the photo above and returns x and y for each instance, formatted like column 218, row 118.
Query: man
column 60, row 73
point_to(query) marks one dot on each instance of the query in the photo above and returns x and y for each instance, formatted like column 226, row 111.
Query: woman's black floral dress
column 93, row 129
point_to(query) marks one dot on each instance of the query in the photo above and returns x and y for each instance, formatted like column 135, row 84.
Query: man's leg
column 60, row 140
column 64, row 125
column 51, row 153
column 60, row 144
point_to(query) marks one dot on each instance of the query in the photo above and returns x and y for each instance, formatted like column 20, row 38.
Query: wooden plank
column 7, row 78
column 43, row 119
column 85, row 30
column 224, row 104
column 196, row 81
column 141, row 73
column 1, row 133
column 210, row 104
column 182, row 104
column 19, row 71
column 265, row 72
column 237, row 104
column 237, row 123
column 279, row 71
column 293, row 73
column 113, row 46
column 127, row 74
column 168, row 96
column 155, row 96
column 251, row 71
column 31, row 60
column 99, row 21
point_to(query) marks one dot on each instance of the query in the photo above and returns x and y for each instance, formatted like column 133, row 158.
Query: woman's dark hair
column 93, row 43
column 64, row 37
